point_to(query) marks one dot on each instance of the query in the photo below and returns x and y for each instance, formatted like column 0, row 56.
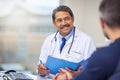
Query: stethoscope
column 55, row 37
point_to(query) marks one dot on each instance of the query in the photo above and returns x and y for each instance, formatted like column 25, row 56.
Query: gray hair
column 110, row 12
column 62, row 8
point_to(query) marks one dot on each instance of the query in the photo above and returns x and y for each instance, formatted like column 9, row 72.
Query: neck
column 115, row 34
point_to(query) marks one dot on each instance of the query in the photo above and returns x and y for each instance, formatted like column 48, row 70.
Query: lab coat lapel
column 58, row 45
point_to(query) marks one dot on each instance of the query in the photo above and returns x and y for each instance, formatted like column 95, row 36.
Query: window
column 24, row 25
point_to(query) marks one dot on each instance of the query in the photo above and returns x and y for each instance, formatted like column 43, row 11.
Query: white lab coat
column 82, row 48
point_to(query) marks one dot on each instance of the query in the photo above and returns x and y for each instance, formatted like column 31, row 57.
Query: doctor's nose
column 63, row 22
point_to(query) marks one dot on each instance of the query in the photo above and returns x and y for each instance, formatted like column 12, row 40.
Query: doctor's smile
column 65, row 26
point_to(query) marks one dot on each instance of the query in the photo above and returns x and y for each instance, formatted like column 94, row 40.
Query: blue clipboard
column 54, row 64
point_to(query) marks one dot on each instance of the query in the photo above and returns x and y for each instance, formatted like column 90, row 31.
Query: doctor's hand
column 42, row 69
column 63, row 75
column 73, row 73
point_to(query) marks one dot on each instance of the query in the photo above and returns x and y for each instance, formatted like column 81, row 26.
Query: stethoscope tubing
column 71, row 42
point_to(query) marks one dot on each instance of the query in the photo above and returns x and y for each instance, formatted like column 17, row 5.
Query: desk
column 35, row 77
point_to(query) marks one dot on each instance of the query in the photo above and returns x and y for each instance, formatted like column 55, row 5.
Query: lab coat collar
column 70, row 39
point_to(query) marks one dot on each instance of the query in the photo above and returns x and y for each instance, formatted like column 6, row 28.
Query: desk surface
column 35, row 77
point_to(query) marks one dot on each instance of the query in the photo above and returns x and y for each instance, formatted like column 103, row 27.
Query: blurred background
column 24, row 24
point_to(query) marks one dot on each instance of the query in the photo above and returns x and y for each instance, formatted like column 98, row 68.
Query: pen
column 43, row 65
column 40, row 61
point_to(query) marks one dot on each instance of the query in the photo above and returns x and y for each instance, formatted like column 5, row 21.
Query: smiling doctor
column 68, row 43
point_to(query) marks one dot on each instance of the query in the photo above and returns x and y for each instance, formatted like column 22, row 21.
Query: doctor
column 75, row 47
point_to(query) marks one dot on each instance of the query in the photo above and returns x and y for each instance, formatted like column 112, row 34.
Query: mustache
column 66, row 25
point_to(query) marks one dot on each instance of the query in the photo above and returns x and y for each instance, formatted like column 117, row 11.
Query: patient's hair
column 62, row 8
column 110, row 12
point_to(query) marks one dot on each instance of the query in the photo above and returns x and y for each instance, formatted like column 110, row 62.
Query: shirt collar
column 68, row 36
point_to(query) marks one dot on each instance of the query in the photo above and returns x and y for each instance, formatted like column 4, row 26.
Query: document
column 54, row 64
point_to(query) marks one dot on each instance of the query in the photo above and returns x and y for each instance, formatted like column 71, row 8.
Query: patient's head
column 110, row 12
column 110, row 18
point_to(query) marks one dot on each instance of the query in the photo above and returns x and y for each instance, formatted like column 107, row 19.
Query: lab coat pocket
column 75, row 56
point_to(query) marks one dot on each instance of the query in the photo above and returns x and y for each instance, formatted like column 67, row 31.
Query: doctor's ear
column 54, row 22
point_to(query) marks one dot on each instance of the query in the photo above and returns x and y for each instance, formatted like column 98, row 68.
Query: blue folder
column 54, row 64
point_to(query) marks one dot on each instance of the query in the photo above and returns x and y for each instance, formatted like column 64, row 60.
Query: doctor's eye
column 67, row 19
column 58, row 20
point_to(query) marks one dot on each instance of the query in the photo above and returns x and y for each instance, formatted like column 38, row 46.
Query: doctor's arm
column 43, row 57
column 89, row 48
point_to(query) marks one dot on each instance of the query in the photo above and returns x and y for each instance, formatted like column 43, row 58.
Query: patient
column 116, row 75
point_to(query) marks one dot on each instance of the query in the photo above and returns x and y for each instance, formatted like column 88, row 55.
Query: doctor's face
column 63, row 22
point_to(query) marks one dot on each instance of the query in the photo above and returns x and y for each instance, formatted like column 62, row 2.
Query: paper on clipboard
column 54, row 64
